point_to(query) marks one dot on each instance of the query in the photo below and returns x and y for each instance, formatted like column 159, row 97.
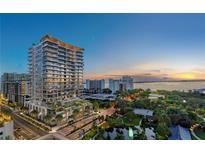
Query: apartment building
column 56, row 70
column 127, row 82
column 95, row 86
column 15, row 87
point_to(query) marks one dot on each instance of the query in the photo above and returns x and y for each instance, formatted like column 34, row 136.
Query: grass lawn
column 131, row 121
column 200, row 133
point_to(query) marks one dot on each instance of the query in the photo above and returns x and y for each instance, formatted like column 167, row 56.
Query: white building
column 114, row 85
column 155, row 96
column 102, row 97
column 56, row 70
column 128, row 82
column 143, row 112
column 7, row 131
column 95, row 86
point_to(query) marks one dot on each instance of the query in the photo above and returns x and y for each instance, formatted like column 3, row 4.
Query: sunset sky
column 162, row 45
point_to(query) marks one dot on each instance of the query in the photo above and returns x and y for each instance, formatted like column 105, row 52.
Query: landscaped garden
column 200, row 133
column 175, row 108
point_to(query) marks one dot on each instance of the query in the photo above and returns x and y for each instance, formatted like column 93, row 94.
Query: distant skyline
column 156, row 45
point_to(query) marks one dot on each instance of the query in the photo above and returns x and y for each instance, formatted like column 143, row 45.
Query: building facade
column 56, row 70
column 7, row 131
column 114, row 85
column 15, row 87
column 95, row 86
column 127, row 82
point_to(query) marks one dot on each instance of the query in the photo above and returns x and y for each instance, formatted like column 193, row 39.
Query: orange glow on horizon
column 187, row 76
column 179, row 76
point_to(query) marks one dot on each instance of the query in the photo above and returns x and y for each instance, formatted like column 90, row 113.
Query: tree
column 101, row 118
column 107, row 91
column 59, row 118
column 119, row 136
column 108, row 136
column 25, row 109
column 12, row 104
column 96, row 106
column 47, row 119
column 19, row 105
column 75, row 113
column 53, row 122
column 6, row 111
column 163, row 131
column 34, row 113
column 87, row 109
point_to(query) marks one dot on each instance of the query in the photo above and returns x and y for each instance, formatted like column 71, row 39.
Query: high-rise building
column 95, row 86
column 15, row 87
column 127, row 82
column 56, row 70
column 114, row 85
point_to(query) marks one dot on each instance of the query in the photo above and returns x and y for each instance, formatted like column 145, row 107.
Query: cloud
column 152, row 69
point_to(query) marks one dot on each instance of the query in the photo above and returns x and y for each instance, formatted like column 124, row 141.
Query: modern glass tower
column 56, row 71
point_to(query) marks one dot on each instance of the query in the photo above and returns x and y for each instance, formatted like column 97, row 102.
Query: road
column 107, row 112
column 71, row 128
column 76, row 135
column 72, row 132
column 24, row 130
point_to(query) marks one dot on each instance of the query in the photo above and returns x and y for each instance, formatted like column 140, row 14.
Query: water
column 180, row 86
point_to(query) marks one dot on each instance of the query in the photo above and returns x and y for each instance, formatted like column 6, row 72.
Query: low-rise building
column 155, row 96
column 6, row 128
column 143, row 112
column 103, row 97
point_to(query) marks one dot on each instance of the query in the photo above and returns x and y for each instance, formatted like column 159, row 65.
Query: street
column 107, row 112
column 24, row 130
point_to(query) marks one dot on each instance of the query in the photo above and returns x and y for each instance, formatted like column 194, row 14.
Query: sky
column 162, row 45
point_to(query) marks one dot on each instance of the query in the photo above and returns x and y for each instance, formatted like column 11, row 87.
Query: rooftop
column 143, row 112
column 179, row 133
column 66, row 45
